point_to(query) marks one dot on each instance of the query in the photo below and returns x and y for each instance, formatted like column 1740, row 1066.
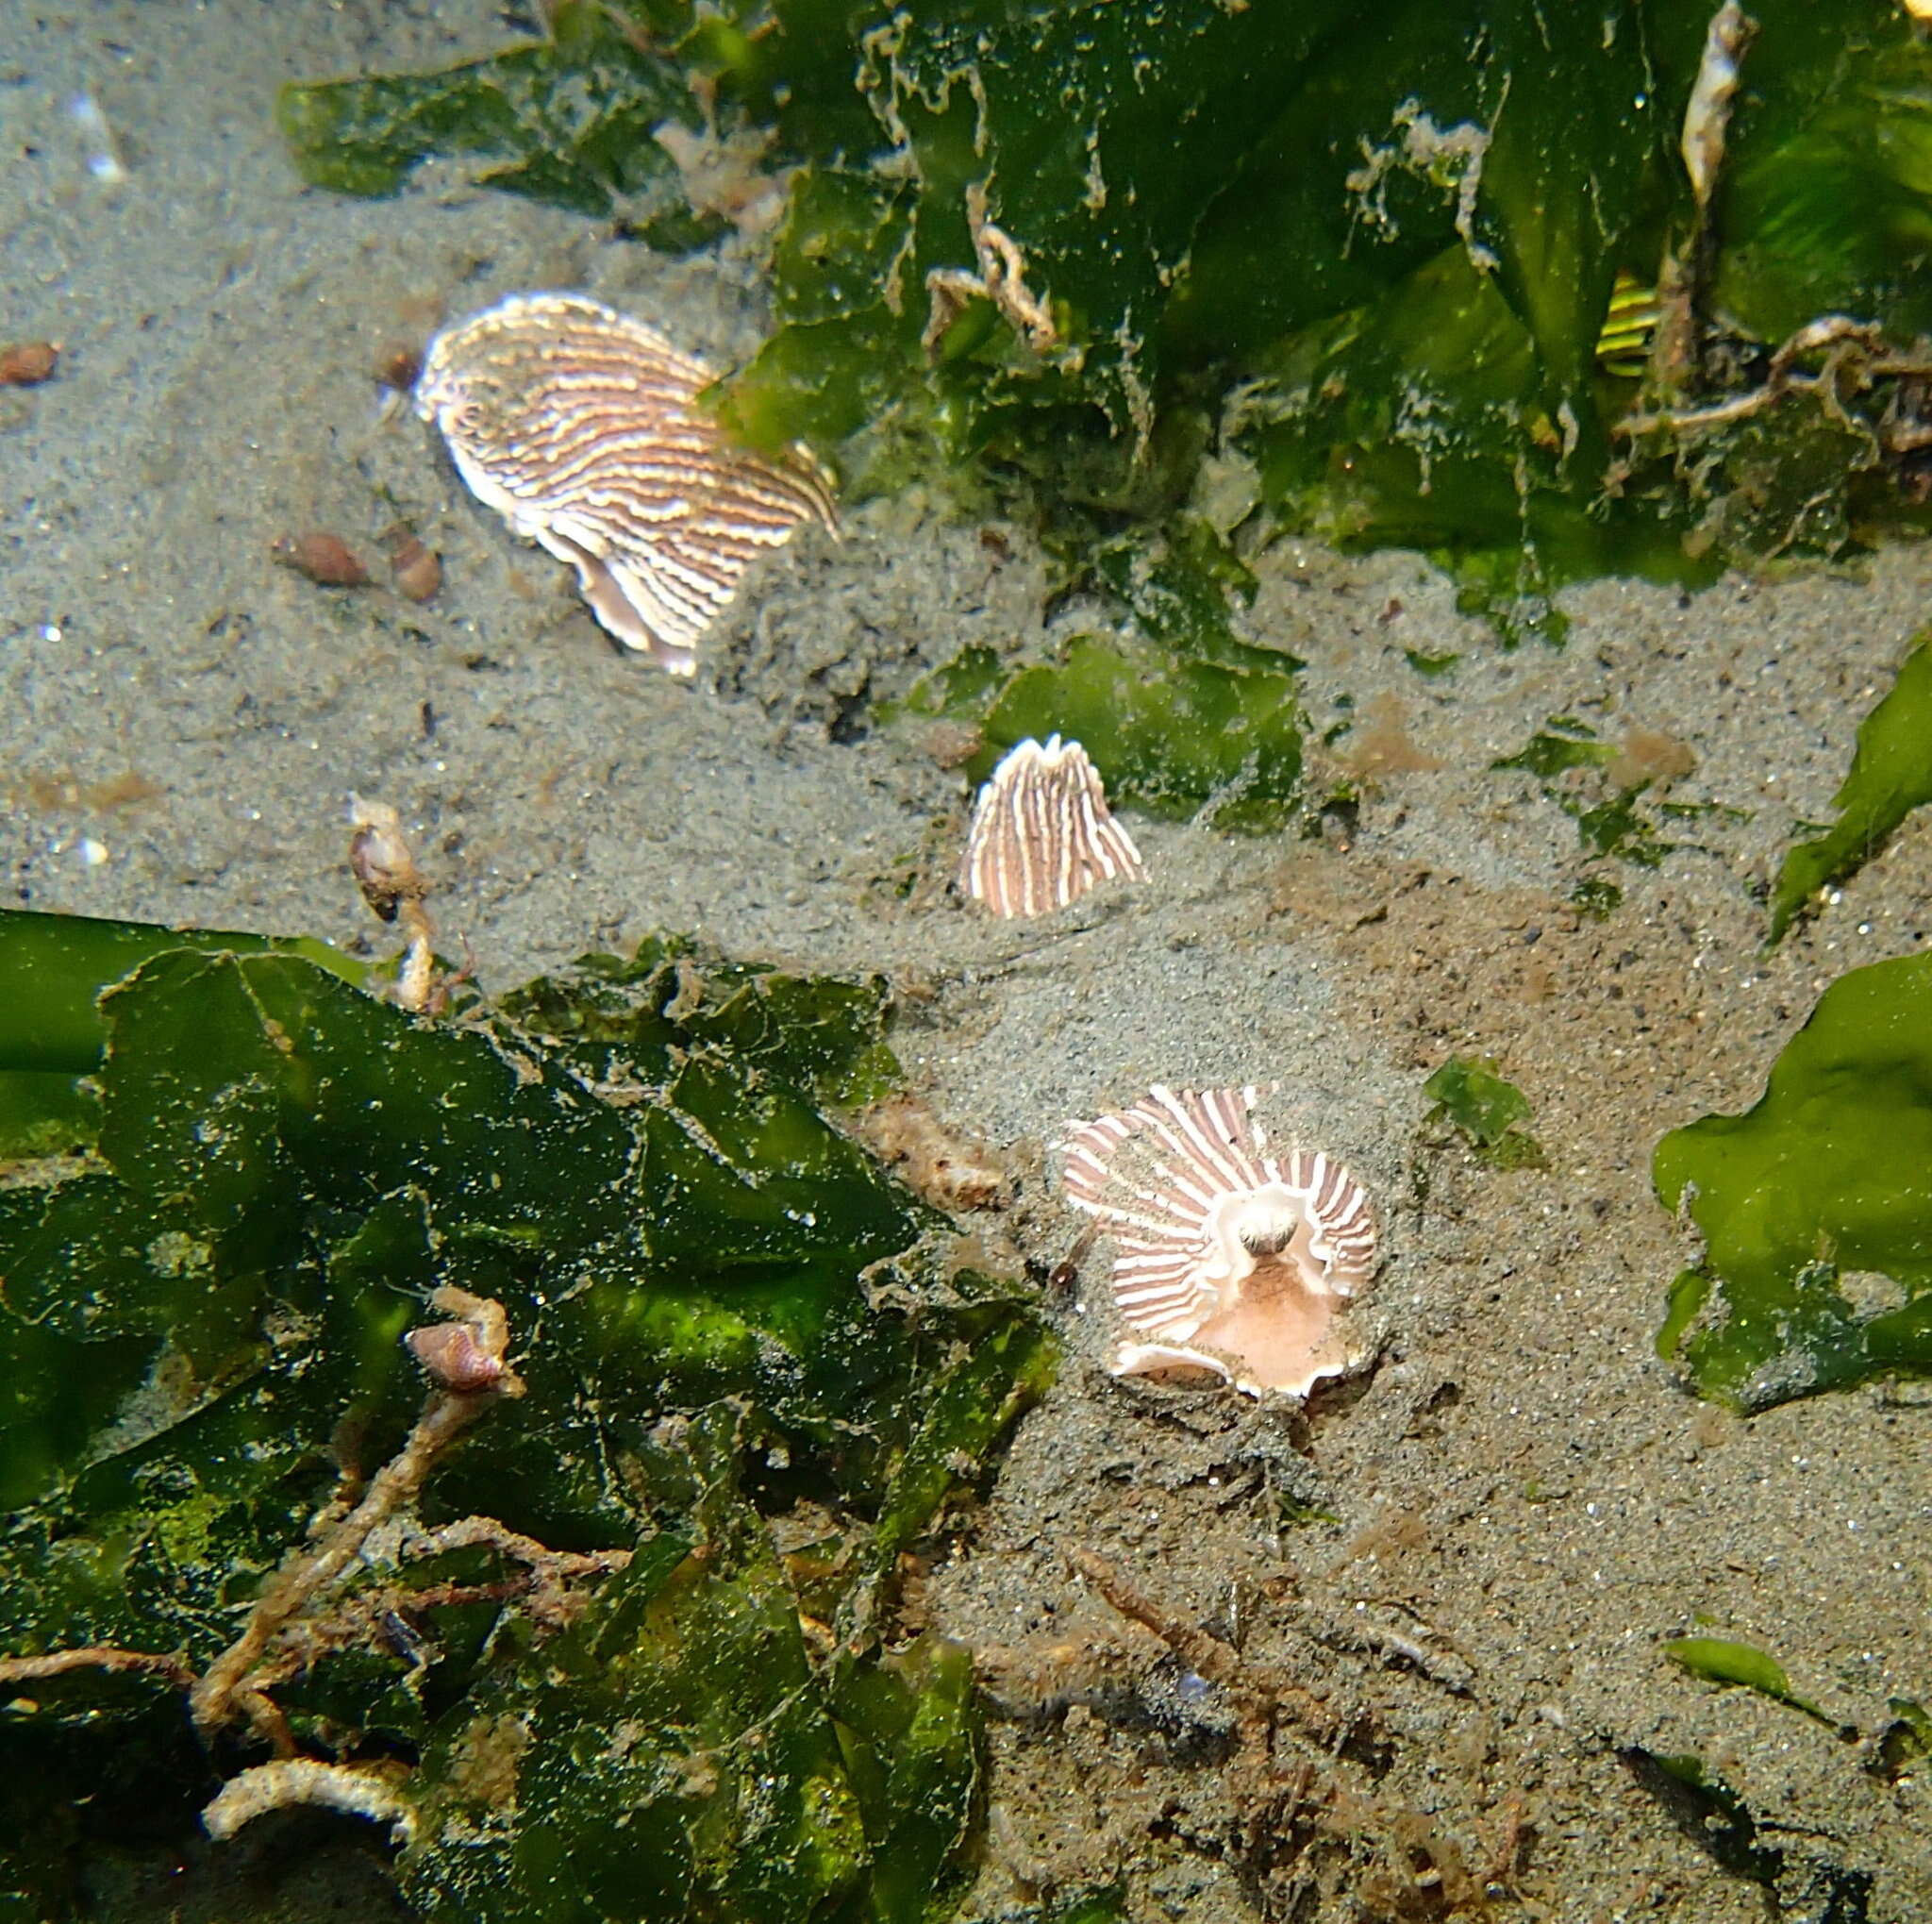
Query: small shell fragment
column 1228, row 1258
column 381, row 860
column 398, row 368
column 465, row 1356
column 416, row 570
column 450, row 1354
column 27, row 363
column 1043, row 834
column 582, row 429
column 324, row 557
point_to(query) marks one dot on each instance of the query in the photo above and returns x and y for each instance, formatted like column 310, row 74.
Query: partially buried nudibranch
column 1228, row 1258
column 1043, row 834
column 582, row 429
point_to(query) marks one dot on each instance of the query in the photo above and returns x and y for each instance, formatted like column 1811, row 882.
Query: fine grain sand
column 1524, row 1500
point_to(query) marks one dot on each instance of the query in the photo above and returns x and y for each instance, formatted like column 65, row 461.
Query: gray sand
column 1526, row 1501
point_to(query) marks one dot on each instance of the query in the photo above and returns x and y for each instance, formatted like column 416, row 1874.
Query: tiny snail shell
column 415, row 570
column 324, row 557
column 450, row 1353
column 397, row 368
column 27, row 363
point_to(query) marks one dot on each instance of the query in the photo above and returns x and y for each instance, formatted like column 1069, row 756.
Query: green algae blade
column 1469, row 1094
column 1826, row 1175
column 1719, row 1660
column 568, row 119
column 1890, row 776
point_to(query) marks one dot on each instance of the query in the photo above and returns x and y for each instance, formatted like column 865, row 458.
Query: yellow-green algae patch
column 1828, row 1175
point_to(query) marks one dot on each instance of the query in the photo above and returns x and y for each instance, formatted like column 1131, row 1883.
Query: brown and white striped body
column 1228, row 1257
column 1043, row 834
column 582, row 429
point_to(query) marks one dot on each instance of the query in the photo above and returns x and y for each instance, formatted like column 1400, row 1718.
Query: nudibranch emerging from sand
column 1229, row 1256
column 1043, row 834
column 582, row 429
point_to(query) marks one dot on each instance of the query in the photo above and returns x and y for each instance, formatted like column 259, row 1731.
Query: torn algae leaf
column 1617, row 829
column 51, row 1031
column 823, row 1036
column 1718, row 1660
column 1561, row 745
column 1596, row 899
column 911, row 1741
column 572, row 118
column 1181, row 591
column 1829, row 1173
column 56, row 967
column 1890, row 776
column 1486, row 1109
column 44, row 1113
column 1613, row 826
column 962, row 687
column 192, row 1327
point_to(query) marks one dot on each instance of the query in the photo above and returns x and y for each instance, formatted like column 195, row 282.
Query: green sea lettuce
column 51, row 1033
column 569, row 121
column 1171, row 736
column 1825, row 1177
column 726, row 1318
column 1486, row 1110
column 1890, row 776
column 1071, row 250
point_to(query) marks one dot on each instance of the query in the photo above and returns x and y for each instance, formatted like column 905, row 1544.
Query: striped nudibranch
column 582, row 429
column 1228, row 1257
column 1043, row 834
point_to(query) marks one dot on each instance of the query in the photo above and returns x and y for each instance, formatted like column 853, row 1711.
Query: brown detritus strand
column 952, row 1172
column 1855, row 353
column 27, row 363
column 1001, row 280
column 1257, row 1698
column 1856, row 362
column 325, row 559
column 94, row 1657
column 549, row 1574
column 319, row 1564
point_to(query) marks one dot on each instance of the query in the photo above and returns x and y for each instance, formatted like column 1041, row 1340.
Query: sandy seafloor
column 1526, row 1500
